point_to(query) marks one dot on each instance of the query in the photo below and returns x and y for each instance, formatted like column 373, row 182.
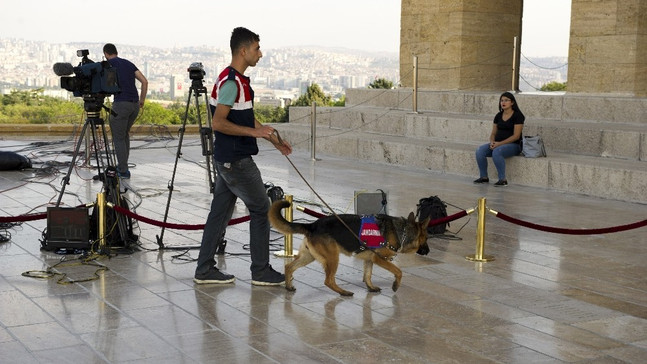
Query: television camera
column 196, row 71
column 91, row 79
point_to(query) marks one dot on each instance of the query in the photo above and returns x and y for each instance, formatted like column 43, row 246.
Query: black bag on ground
column 11, row 161
column 435, row 207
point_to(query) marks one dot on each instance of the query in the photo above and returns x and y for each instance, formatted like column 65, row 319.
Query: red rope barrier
column 446, row 219
column 26, row 217
column 22, row 218
column 121, row 210
column 443, row 220
column 313, row 213
column 550, row 229
column 169, row 225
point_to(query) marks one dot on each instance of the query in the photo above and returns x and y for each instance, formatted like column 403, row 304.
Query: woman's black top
column 505, row 129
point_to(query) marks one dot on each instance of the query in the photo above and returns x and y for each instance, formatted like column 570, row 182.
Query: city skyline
column 286, row 71
column 282, row 74
column 287, row 23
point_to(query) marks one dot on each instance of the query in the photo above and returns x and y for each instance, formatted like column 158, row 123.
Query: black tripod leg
column 112, row 183
column 207, row 142
column 100, row 171
column 160, row 237
column 66, row 179
column 109, row 156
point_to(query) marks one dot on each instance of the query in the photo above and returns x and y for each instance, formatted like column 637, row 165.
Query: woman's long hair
column 510, row 96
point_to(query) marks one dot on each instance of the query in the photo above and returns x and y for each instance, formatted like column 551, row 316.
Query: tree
column 341, row 102
column 28, row 97
column 32, row 107
column 381, row 83
column 313, row 93
column 554, row 86
column 154, row 113
column 270, row 114
column 178, row 108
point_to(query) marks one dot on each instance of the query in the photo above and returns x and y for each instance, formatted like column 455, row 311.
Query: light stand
column 197, row 89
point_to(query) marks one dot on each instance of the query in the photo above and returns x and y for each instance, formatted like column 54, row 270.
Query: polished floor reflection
column 546, row 298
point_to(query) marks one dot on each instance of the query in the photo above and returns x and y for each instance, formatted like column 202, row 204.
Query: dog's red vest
column 369, row 233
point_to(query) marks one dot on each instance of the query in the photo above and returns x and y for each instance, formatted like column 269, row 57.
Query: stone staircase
column 596, row 145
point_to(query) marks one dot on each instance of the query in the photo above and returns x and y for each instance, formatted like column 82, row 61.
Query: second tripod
column 197, row 89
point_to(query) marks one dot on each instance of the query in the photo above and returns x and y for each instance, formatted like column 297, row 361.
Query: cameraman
column 126, row 105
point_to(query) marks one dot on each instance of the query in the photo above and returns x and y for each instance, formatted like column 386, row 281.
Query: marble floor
column 545, row 298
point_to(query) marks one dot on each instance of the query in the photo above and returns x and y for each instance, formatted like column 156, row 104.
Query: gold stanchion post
column 101, row 205
column 480, row 235
column 287, row 252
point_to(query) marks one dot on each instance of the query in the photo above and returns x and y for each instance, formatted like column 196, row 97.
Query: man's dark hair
column 109, row 48
column 242, row 37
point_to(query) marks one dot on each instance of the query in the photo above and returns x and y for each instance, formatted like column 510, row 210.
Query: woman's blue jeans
column 498, row 155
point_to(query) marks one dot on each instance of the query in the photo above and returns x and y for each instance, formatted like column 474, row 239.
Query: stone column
column 460, row 44
column 608, row 47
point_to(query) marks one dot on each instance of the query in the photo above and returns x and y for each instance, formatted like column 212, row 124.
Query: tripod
column 206, row 138
column 92, row 106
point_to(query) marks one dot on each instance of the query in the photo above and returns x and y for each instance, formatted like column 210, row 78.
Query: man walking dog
column 236, row 131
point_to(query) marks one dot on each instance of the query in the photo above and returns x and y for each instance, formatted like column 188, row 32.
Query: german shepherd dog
column 327, row 237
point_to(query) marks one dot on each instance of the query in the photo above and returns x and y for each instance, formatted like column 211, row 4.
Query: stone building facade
column 471, row 45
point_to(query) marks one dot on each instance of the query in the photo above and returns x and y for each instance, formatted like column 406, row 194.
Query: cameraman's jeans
column 498, row 157
column 120, row 127
column 240, row 179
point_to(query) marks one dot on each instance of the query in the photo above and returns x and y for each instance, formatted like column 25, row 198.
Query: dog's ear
column 425, row 223
column 412, row 217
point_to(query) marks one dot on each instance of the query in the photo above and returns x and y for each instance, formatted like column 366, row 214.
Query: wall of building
column 469, row 45
column 459, row 44
column 608, row 47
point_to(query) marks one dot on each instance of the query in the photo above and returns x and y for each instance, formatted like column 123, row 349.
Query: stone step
column 611, row 178
column 544, row 105
column 602, row 139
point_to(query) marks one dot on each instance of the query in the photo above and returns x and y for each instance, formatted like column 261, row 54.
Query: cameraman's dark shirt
column 126, row 74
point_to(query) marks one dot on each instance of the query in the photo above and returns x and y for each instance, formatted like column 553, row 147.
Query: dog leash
column 278, row 136
column 362, row 243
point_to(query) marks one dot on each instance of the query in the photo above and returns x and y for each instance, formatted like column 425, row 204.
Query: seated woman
column 505, row 139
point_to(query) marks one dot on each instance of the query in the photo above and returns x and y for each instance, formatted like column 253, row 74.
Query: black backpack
column 435, row 207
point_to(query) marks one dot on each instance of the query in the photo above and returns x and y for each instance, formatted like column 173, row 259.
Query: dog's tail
column 281, row 224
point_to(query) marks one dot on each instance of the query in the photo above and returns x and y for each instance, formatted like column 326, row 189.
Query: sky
column 355, row 24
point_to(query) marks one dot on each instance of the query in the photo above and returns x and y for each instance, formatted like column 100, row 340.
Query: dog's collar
column 402, row 237
column 396, row 249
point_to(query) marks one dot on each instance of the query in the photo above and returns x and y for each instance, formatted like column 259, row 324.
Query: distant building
column 303, row 87
column 61, row 94
column 270, row 97
column 348, row 81
column 177, row 86
column 269, row 102
column 146, row 70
